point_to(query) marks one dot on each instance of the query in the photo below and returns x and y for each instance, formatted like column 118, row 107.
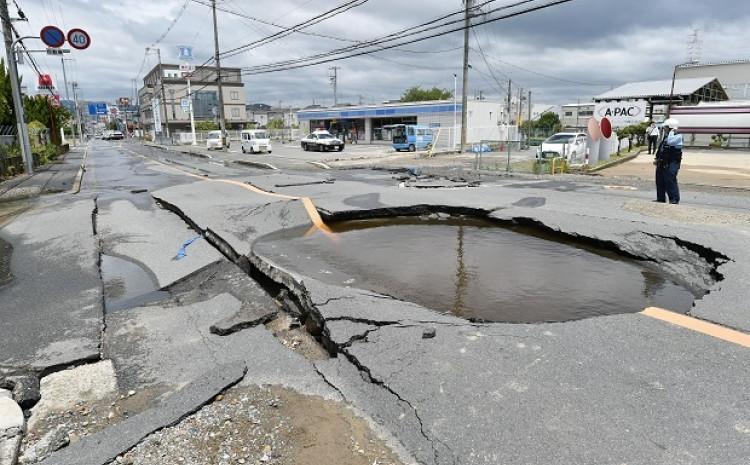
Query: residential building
column 204, row 94
column 576, row 115
column 261, row 114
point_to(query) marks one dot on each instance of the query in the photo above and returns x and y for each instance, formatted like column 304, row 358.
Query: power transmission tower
column 334, row 78
column 464, row 95
column 222, row 121
column 694, row 47
column 15, row 85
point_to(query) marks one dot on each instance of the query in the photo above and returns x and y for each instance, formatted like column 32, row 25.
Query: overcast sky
column 583, row 47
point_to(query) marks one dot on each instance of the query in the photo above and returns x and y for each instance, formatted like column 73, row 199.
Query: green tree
column 549, row 122
column 419, row 94
column 275, row 124
column 7, row 113
column 41, row 108
column 206, row 126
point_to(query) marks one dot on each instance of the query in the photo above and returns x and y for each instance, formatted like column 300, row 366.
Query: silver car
column 564, row 144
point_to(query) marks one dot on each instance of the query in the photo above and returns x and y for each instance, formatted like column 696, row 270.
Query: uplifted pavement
column 619, row 389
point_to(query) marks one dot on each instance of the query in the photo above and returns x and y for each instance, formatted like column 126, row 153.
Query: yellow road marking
column 700, row 326
column 312, row 212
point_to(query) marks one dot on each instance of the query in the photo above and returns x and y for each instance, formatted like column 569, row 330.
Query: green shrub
column 46, row 153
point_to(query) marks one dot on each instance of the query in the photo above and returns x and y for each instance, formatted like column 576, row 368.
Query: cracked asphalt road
column 432, row 388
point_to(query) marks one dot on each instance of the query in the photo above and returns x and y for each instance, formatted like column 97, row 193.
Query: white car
column 565, row 144
column 322, row 141
column 255, row 141
column 213, row 140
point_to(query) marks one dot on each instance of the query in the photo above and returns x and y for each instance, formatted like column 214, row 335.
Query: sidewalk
column 58, row 176
column 721, row 168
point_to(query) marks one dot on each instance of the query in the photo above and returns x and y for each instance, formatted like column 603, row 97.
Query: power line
column 489, row 68
column 296, row 28
column 341, row 54
column 556, row 78
column 271, row 23
column 161, row 37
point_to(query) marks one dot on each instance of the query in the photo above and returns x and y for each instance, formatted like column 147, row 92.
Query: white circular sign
column 79, row 39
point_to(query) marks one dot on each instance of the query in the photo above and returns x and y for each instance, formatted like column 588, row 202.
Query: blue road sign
column 186, row 52
column 52, row 36
column 97, row 108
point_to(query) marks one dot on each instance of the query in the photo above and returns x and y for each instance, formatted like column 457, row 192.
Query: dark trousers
column 652, row 143
column 666, row 182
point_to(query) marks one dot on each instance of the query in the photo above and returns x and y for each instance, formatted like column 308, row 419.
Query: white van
column 255, row 141
column 213, row 140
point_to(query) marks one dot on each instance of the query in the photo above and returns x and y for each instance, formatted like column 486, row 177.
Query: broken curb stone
column 104, row 447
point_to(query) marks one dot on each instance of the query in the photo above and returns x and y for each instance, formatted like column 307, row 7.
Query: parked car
column 564, row 144
column 322, row 141
column 213, row 140
column 116, row 135
column 255, row 141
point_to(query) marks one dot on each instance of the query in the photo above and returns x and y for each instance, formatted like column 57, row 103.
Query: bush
column 46, row 153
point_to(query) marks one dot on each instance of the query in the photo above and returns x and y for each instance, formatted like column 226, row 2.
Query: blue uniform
column 668, row 160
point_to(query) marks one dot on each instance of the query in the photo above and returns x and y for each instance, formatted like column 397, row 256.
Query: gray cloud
column 604, row 42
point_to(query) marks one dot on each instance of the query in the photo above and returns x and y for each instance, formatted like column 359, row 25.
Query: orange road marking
column 700, row 326
column 312, row 212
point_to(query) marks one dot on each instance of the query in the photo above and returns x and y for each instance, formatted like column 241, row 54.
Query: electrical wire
column 351, row 52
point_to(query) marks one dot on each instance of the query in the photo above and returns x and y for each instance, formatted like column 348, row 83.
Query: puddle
column 127, row 285
column 476, row 269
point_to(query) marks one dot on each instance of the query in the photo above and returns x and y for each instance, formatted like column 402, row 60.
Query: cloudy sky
column 565, row 53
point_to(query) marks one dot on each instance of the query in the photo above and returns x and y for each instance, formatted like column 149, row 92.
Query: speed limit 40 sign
column 79, row 39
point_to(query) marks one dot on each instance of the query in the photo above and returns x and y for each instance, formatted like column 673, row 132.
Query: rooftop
column 655, row 89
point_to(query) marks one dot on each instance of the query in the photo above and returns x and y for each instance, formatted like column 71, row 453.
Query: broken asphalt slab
column 51, row 312
column 103, row 447
column 150, row 236
column 148, row 347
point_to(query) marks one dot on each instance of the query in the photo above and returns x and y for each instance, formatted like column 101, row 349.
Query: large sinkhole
column 476, row 269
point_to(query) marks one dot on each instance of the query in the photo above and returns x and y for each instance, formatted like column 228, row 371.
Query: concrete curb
column 79, row 177
column 256, row 164
column 178, row 150
column 619, row 161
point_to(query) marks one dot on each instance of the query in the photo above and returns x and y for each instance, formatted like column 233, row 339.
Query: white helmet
column 672, row 123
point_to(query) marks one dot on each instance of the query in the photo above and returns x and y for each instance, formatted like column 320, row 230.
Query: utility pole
column 529, row 104
column 507, row 127
column 222, row 121
column 163, row 94
column 190, row 109
column 464, row 96
column 455, row 110
column 15, row 85
column 334, row 82
column 520, row 108
column 75, row 103
column 65, row 77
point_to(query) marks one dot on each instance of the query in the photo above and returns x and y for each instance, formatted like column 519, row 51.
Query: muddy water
column 475, row 269
column 127, row 285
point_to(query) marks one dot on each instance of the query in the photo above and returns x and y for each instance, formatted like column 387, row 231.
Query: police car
column 321, row 141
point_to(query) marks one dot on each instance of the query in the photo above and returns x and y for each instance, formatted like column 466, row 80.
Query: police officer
column 667, row 161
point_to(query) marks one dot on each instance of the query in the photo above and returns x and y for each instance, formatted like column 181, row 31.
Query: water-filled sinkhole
column 476, row 269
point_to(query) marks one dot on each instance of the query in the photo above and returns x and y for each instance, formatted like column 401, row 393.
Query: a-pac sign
column 621, row 114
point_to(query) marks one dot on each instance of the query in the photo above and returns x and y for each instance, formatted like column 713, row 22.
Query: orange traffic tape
column 312, row 212
column 700, row 326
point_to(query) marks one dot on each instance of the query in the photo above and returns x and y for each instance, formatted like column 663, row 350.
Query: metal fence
column 279, row 135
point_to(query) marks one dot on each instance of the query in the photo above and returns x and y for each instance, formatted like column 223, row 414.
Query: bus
column 411, row 137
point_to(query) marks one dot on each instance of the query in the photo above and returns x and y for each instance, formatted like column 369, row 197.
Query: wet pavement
column 434, row 387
